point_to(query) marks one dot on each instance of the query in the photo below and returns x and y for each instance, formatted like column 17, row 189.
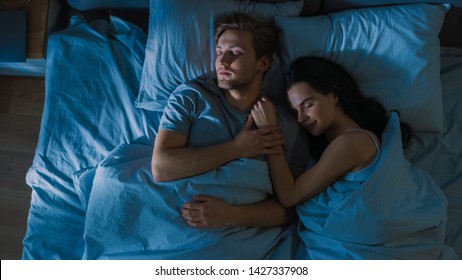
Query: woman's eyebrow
column 305, row 100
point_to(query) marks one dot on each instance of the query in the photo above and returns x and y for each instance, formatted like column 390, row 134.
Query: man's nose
column 226, row 59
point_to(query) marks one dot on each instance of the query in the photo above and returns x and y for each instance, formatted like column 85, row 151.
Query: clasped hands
column 267, row 138
column 206, row 211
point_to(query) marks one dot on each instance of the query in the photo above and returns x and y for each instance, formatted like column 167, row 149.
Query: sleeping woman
column 345, row 128
column 361, row 199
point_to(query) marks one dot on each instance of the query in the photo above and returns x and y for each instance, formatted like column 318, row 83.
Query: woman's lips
column 310, row 125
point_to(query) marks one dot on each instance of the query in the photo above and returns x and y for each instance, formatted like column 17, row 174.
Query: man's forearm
column 177, row 163
column 268, row 213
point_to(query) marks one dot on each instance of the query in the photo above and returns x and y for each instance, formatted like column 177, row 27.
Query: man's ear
column 265, row 63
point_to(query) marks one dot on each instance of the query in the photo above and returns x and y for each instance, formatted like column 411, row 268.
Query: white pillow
column 392, row 51
column 180, row 44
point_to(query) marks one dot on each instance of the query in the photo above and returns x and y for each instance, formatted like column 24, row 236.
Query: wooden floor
column 21, row 107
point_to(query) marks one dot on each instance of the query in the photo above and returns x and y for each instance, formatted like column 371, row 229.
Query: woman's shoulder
column 358, row 146
column 363, row 136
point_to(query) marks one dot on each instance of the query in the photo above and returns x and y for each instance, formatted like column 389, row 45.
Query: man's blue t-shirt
column 199, row 110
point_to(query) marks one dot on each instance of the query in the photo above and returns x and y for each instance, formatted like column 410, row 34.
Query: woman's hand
column 207, row 212
column 264, row 113
column 255, row 142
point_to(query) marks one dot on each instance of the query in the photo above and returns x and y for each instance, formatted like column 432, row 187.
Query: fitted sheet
column 441, row 154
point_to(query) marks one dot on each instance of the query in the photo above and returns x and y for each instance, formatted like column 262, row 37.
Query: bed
column 110, row 72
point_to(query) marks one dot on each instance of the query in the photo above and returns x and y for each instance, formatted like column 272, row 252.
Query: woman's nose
column 301, row 117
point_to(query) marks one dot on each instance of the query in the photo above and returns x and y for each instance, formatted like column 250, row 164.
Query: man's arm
column 172, row 159
column 208, row 211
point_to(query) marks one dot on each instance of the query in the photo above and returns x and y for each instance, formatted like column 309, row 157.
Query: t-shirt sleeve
column 179, row 112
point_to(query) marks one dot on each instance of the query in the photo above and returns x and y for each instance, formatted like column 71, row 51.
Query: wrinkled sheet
column 441, row 154
column 92, row 79
column 399, row 212
column 130, row 216
column 93, row 76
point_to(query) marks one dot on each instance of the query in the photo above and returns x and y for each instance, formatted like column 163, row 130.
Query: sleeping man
column 206, row 128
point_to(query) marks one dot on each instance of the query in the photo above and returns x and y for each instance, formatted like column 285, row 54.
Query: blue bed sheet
column 399, row 212
column 441, row 154
column 131, row 216
column 92, row 78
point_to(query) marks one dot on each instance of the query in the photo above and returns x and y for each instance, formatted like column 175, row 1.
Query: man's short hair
column 264, row 33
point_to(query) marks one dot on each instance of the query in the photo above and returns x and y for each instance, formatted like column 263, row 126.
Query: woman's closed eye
column 307, row 105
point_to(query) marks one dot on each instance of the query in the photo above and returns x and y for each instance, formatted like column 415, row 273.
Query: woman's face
column 315, row 111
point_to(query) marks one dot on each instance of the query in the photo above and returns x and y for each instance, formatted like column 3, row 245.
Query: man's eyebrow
column 219, row 46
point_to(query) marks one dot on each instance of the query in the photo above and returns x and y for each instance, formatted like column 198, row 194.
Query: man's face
column 236, row 63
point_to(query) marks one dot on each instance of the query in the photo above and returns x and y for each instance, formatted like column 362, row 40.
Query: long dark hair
column 325, row 77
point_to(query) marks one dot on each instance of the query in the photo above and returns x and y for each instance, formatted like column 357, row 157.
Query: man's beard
column 234, row 84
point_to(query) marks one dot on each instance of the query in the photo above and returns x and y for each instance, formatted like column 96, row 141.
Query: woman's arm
column 264, row 114
column 208, row 211
column 343, row 154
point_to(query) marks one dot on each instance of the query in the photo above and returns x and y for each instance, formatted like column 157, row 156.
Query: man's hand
column 207, row 212
column 262, row 141
column 210, row 212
